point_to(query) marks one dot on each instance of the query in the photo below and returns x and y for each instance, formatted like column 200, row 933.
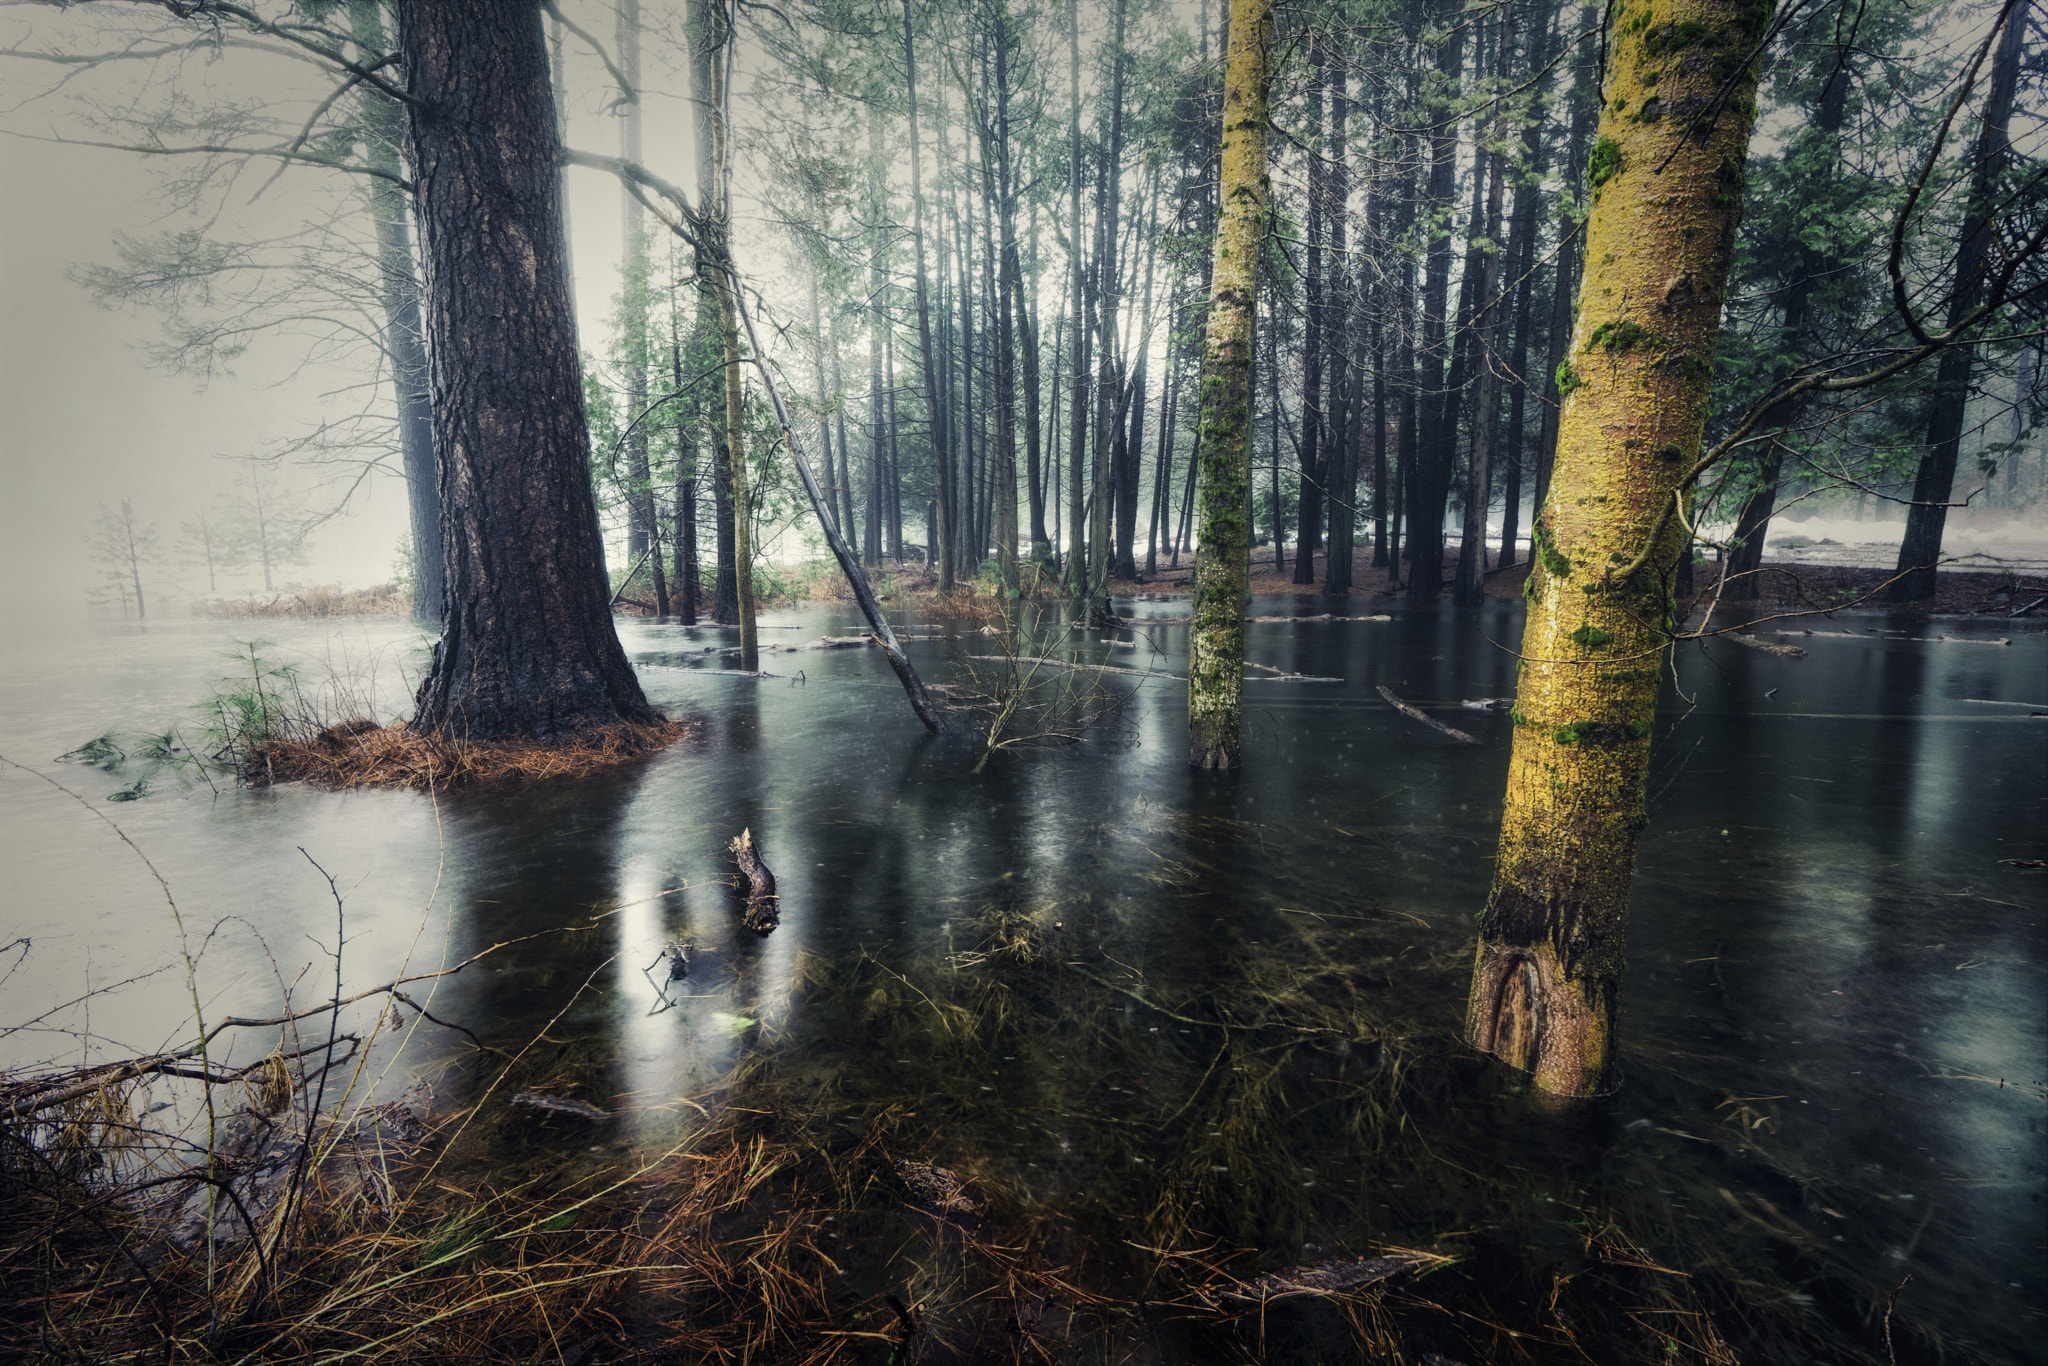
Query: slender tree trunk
column 527, row 647
column 1547, row 978
column 1074, row 568
column 1222, row 557
column 1273, row 433
column 893, row 486
column 404, row 339
column 1103, row 550
column 1564, row 288
column 1471, row 585
column 1340, row 477
column 1132, row 445
column 848, row 517
column 1521, row 256
column 1162, row 468
column 1007, row 290
column 939, row 552
column 1308, row 535
column 1934, row 481
column 1427, row 471
column 716, row 233
column 633, row 270
column 688, row 583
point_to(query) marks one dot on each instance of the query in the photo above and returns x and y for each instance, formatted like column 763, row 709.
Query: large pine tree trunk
column 1551, row 938
column 1223, row 550
column 528, row 648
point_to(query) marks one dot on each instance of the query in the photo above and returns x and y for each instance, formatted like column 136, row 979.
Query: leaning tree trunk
column 1667, row 193
column 1223, row 546
column 527, row 649
column 1934, row 481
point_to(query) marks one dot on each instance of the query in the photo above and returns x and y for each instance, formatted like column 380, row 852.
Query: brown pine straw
column 362, row 754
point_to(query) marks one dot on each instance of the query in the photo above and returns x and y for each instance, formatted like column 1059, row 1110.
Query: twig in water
column 1417, row 714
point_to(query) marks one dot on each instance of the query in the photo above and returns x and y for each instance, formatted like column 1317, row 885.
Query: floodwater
column 1181, row 1014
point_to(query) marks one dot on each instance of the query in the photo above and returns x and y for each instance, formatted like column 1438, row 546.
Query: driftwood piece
column 1417, row 714
column 1128, row 622
column 763, row 911
column 1323, row 616
column 935, row 1189
column 1277, row 675
column 1319, row 1278
column 1078, row 668
column 1909, row 640
column 1282, row 676
column 559, row 1105
column 1782, row 651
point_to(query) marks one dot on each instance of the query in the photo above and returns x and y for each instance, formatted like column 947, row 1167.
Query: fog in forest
column 89, row 421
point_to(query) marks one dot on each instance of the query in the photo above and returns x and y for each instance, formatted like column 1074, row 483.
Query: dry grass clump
column 317, row 600
column 364, row 754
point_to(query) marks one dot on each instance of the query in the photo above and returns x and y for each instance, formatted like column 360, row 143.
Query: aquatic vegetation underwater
column 1037, row 1139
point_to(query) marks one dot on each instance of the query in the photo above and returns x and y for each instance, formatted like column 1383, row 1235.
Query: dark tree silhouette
column 528, row 649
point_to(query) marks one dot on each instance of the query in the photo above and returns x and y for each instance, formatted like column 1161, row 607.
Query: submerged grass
column 1143, row 1124
column 1150, row 1155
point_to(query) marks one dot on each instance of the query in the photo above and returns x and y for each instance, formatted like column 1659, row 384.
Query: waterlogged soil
column 1165, row 1034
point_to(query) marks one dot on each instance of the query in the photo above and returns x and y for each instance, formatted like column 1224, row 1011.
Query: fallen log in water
column 1782, row 651
column 1320, row 1278
column 763, row 912
column 1278, row 675
column 1417, row 714
column 1069, row 664
column 1910, row 640
column 1182, row 621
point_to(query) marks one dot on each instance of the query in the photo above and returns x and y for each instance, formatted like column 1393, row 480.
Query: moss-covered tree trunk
column 1667, row 172
column 1223, row 544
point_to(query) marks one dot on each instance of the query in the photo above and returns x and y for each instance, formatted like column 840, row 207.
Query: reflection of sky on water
column 1865, row 805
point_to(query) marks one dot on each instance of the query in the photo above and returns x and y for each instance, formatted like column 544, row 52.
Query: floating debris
column 935, row 1189
column 560, row 1105
column 1318, row 1278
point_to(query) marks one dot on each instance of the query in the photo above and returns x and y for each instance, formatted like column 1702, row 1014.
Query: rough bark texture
column 528, row 648
column 764, row 906
column 1223, row 545
column 1549, row 965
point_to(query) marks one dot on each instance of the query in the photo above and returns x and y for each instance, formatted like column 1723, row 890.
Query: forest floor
column 1784, row 586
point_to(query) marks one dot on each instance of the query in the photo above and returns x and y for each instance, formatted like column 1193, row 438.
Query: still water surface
column 1834, row 1016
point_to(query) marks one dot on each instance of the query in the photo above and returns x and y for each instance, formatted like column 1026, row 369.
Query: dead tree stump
column 763, row 913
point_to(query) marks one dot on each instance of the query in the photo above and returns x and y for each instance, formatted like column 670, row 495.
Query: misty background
column 86, row 421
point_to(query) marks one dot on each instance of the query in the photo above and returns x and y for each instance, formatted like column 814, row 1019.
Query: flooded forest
column 1070, row 681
